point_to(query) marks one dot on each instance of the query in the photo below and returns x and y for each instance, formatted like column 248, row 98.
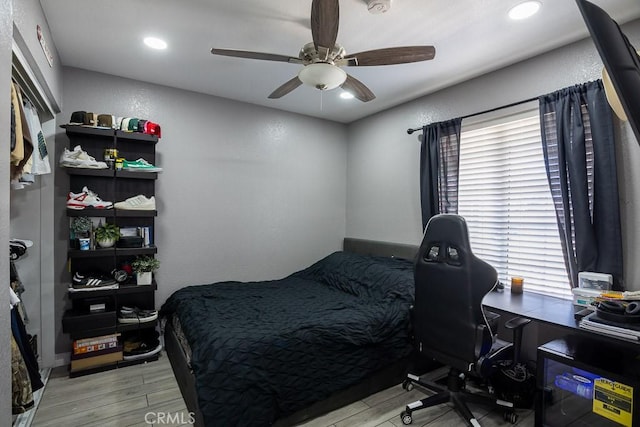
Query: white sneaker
column 137, row 203
column 86, row 199
column 80, row 159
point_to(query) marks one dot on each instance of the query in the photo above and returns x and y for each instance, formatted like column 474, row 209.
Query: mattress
column 263, row 350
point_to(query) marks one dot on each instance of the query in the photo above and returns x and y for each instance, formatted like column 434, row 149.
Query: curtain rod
column 513, row 104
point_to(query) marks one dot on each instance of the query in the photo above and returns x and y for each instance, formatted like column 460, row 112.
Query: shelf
column 136, row 136
column 127, row 289
column 92, row 253
column 135, row 213
column 102, row 252
column 110, row 213
column 135, row 289
column 107, row 173
column 87, row 130
column 78, row 130
column 120, row 364
column 115, row 185
column 104, row 213
column 128, row 327
column 136, row 175
column 136, row 251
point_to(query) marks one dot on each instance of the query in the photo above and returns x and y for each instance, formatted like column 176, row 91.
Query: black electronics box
column 130, row 242
column 76, row 321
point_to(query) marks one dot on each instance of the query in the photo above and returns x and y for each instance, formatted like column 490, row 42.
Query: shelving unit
column 111, row 185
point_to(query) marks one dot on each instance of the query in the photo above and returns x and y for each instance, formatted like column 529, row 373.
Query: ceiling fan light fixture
column 155, row 43
column 346, row 95
column 524, row 10
column 322, row 76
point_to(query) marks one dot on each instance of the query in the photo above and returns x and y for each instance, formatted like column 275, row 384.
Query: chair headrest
column 448, row 239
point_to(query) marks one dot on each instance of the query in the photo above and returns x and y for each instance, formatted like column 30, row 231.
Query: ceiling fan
column 323, row 57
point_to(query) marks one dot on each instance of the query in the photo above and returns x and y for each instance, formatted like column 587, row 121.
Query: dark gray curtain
column 582, row 177
column 439, row 161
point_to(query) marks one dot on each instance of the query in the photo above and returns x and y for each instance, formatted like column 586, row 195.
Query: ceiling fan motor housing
column 378, row 6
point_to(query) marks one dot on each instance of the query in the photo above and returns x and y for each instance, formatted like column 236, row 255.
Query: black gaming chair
column 449, row 323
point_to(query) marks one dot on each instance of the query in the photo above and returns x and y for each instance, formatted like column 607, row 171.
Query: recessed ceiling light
column 524, row 10
column 346, row 95
column 155, row 43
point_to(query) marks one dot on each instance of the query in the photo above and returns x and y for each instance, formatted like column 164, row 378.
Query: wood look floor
column 122, row 397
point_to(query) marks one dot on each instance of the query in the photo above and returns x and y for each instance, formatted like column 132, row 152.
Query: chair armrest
column 517, row 322
column 492, row 321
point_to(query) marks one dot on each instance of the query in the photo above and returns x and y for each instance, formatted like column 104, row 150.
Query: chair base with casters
column 502, row 363
column 455, row 392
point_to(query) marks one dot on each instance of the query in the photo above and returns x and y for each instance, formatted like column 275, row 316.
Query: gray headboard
column 375, row 247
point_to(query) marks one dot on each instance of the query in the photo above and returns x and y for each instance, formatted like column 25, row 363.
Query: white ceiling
column 471, row 37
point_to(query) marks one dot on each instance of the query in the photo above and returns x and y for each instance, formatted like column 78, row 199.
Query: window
column 504, row 196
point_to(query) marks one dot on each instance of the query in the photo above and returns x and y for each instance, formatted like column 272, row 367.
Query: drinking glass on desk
column 516, row 285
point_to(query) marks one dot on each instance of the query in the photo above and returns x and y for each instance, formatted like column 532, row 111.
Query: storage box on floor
column 587, row 381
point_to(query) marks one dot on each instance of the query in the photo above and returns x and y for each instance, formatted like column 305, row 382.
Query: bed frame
column 385, row 378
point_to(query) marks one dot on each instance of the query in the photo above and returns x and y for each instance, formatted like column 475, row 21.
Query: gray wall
column 247, row 192
column 383, row 200
column 5, row 122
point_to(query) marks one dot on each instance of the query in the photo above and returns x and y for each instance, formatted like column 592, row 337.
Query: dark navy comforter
column 263, row 350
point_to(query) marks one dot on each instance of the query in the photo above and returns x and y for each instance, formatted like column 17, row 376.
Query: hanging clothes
column 27, row 146
column 21, row 391
column 40, row 158
column 17, row 146
column 20, row 334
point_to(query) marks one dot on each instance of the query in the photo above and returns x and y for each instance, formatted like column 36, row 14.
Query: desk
column 559, row 345
column 541, row 308
column 554, row 313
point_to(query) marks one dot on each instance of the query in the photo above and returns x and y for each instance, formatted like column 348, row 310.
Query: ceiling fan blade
column 325, row 17
column 392, row 55
column 358, row 89
column 255, row 55
column 286, row 88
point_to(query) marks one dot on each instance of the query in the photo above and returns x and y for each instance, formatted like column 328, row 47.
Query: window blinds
column 504, row 196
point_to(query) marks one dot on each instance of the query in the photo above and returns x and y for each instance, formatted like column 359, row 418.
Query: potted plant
column 144, row 266
column 107, row 234
column 80, row 229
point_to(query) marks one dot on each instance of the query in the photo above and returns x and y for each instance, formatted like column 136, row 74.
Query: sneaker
column 142, row 352
column 86, row 199
column 137, row 203
column 136, row 315
column 80, row 159
column 140, row 165
column 81, row 282
column 142, row 344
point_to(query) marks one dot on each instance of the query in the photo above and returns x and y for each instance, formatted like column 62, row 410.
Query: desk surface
column 546, row 309
column 538, row 307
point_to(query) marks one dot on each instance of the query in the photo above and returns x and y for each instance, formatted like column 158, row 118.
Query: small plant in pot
column 80, row 229
column 144, row 266
column 107, row 234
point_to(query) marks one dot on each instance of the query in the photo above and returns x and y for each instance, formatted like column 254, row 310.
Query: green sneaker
column 140, row 165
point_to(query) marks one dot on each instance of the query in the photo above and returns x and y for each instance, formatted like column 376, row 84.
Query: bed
column 277, row 352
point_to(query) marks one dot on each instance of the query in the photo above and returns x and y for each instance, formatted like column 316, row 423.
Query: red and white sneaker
column 86, row 199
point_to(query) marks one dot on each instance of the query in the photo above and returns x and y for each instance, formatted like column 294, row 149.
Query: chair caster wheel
column 406, row 418
column 511, row 417
column 407, row 385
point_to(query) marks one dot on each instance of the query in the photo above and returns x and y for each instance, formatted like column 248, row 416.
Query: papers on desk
column 626, row 331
